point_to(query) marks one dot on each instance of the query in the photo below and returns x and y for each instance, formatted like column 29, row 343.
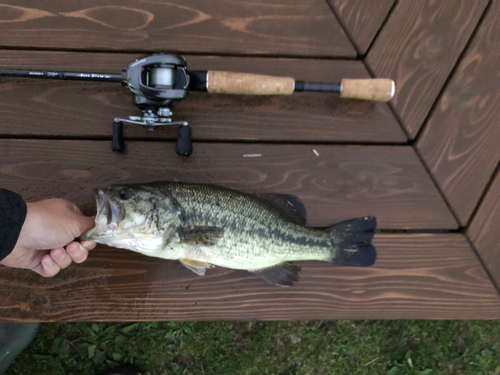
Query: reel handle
column 184, row 146
column 118, row 144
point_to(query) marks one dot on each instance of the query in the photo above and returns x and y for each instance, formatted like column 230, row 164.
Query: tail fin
column 351, row 242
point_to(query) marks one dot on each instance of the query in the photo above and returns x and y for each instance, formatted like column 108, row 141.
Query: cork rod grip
column 248, row 84
column 376, row 89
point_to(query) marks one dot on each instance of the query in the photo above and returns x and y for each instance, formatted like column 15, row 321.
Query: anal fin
column 283, row 274
column 197, row 267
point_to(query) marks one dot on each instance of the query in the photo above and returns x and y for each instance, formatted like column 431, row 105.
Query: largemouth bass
column 204, row 226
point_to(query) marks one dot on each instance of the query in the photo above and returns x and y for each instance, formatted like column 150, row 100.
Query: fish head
column 130, row 212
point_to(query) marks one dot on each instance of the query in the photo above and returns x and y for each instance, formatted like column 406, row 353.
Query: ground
column 300, row 347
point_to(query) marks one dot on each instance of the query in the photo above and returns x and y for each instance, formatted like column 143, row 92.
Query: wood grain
column 460, row 143
column 362, row 19
column 418, row 47
column 426, row 276
column 85, row 109
column 284, row 27
column 341, row 183
column 484, row 231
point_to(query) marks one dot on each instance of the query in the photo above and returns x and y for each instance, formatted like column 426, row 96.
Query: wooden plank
column 422, row 276
column 86, row 109
column 362, row 19
column 341, row 183
column 483, row 231
column 460, row 141
column 284, row 27
column 13, row 280
column 418, row 47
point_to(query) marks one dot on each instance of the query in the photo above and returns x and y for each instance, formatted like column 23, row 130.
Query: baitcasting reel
column 158, row 82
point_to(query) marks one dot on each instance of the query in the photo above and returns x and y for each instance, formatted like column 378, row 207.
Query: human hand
column 47, row 243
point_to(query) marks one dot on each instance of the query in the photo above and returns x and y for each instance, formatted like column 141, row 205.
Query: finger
column 85, row 223
column 47, row 267
column 73, row 207
column 89, row 245
column 61, row 257
column 77, row 252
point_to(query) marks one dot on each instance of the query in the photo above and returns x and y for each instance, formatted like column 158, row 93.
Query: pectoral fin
column 200, row 236
column 198, row 268
column 283, row 274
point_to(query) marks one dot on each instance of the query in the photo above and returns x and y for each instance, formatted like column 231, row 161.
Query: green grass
column 327, row 347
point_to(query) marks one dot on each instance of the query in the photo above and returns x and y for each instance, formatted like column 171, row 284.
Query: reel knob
column 117, row 144
column 184, row 146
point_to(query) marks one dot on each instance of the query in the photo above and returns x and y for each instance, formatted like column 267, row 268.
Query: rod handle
column 375, row 89
column 248, row 84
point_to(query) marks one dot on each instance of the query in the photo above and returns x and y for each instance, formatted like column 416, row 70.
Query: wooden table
column 426, row 164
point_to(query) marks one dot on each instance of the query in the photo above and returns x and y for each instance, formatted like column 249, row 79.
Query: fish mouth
column 108, row 217
column 100, row 202
column 107, row 209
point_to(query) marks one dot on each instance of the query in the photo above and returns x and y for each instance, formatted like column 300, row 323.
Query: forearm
column 12, row 216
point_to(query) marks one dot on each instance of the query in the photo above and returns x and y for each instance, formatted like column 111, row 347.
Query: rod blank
column 75, row 76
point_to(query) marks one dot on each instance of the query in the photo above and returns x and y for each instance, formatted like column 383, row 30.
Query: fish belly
column 246, row 253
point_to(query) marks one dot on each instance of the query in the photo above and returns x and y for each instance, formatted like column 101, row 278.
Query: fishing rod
column 158, row 82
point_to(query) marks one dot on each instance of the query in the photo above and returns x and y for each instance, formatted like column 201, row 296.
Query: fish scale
column 249, row 227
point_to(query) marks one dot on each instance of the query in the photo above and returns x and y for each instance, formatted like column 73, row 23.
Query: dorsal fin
column 289, row 206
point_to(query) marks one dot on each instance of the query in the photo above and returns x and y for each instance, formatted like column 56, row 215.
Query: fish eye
column 124, row 195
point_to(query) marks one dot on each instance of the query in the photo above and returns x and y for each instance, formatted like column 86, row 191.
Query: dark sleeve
column 12, row 215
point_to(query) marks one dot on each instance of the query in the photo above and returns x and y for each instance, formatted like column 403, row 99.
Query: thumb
column 85, row 223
